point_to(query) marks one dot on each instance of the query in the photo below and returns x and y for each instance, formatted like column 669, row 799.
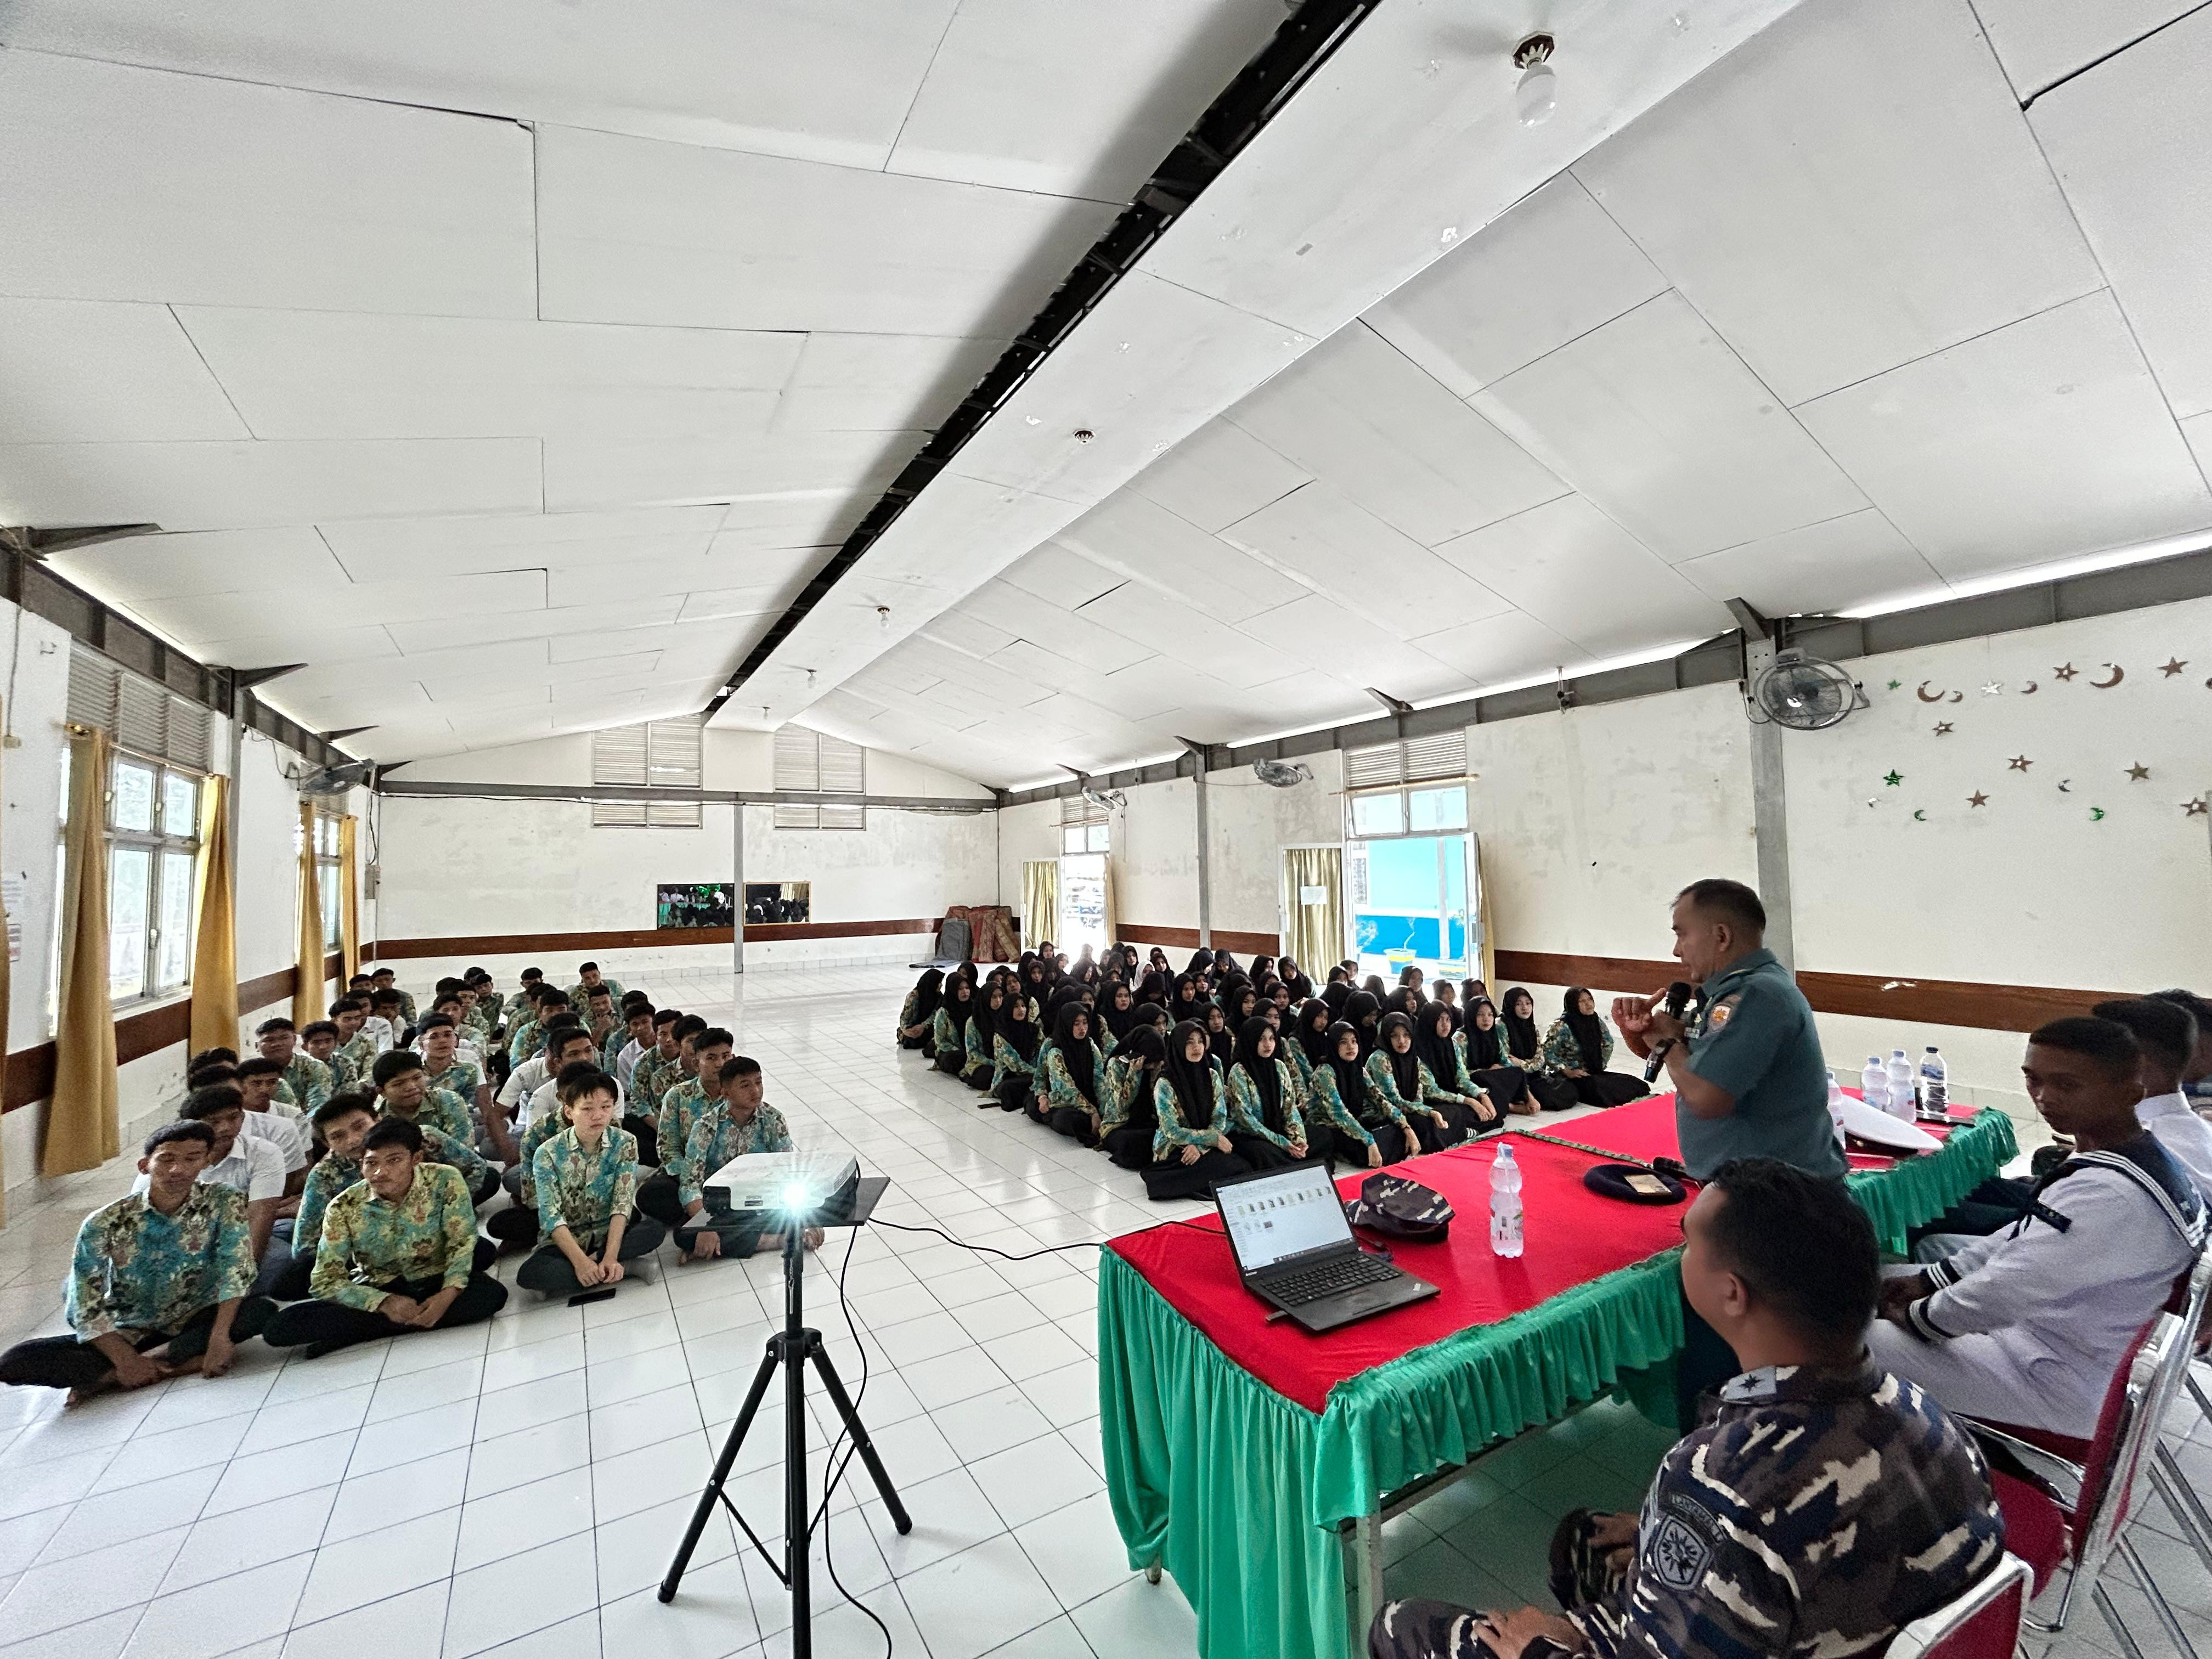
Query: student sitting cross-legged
column 343, row 1121
column 682, row 1101
column 159, row 1283
column 398, row 1252
column 737, row 1122
column 404, row 1086
column 585, row 1180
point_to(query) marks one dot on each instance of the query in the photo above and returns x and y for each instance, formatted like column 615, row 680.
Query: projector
column 778, row 1183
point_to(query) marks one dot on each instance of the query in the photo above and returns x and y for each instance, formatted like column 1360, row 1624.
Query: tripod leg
column 709, row 1498
column 858, row 1430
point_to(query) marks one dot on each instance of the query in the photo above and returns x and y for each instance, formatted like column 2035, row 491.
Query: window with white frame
column 1084, row 826
column 158, row 760
column 1414, row 787
column 328, row 875
column 663, row 753
column 813, row 763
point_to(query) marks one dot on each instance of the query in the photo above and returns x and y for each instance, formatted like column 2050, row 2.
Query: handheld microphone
column 1678, row 999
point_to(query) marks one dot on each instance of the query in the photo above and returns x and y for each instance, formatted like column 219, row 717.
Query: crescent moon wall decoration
column 2096, row 814
column 2028, row 690
column 1958, row 696
column 2065, row 785
column 2119, row 674
column 1920, row 815
column 1921, row 692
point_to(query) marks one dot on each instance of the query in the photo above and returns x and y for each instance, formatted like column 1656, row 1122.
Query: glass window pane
column 326, row 889
column 130, row 872
column 1071, row 841
column 180, row 806
column 133, row 807
column 1378, row 815
column 172, row 916
column 64, row 812
column 1095, row 838
column 1439, row 808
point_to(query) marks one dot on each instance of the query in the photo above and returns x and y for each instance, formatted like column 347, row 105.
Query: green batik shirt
column 461, row 1079
column 1060, row 1088
column 1118, row 1093
column 1326, row 1109
column 1385, row 1104
column 646, row 1081
column 1173, row 1133
column 359, row 1053
column 529, row 1037
column 1008, row 1063
column 540, row 1131
column 716, row 1138
column 579, row 992
column 431, row 1233
column 1245, row 1114
column 332, row 1174
column 682, row 1107
column 309, row 1081
column 1561, row 1052
column 442, row 1110
column 582, row 1190
column 136, row 1269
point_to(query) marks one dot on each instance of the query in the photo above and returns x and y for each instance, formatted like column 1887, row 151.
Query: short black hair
column 348, row 1006
column 212, row 1056
column 316, row 1027
column 213, row 1071
column 441, row 1000
column 386, row 997
column 1801, row 1243
column 533, row 973
column 2110, row 1044
column 393, row 1131
column 204, row 1103
column 394, row 1063
column 1731, row 900
column 2165, row 1032
column 593, row 992
column 277, row 1023
column 587, row 967
column 689, row 1026
column 580, row 1077
column 735, row 1066
column 381, row 973
column 257, row 1066
column 637, row 999
column 448, row 983
column 2199, row 1009
column 666, row 1016
column 338, row 1105
column 712, row 1036
column 557, row 1040
column 563, row 1023
column 183, row 1129
column 434, row 1023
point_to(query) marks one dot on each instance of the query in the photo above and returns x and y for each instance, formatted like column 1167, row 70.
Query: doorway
column 1082, row 903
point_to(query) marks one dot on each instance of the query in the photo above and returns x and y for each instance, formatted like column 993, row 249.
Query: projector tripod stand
column 791, row 1351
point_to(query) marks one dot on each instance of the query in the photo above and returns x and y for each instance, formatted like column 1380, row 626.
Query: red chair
column 1984, row 1623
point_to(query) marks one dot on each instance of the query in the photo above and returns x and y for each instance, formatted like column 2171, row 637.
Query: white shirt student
column 542, row 1100
column 2186, row 1137
column 255, row 1167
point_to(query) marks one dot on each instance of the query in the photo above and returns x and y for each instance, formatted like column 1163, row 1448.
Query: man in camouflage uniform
column 1824, row 1505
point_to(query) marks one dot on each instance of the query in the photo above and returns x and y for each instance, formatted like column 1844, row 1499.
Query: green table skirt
column 1237, row 1492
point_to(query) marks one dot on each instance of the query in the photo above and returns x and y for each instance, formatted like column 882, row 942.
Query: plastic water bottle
column 1873, row 1084
column 1934, row 1081
column 1900, row 1085
column 1505, row 1203
column 1836, row 1107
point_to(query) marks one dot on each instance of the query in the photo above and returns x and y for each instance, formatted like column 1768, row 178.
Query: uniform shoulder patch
column 1722, row 1012
column 1682, row 1543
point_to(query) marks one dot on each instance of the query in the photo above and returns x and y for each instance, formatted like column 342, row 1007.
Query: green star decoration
column 1894, row 684
column 1894, row 779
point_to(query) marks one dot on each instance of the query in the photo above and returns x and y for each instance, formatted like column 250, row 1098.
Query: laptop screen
column 1276, row 1217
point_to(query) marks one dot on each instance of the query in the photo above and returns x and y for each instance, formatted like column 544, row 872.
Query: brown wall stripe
column 1186, row 938
column 635, row 938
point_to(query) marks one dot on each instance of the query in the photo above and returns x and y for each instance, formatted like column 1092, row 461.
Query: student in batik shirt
column 737, row 1123
column 382, row 980
column 525, row 1039
column 601, row 1017
column 400, row 1253
column 585, row 1180
column 350, row 1015
column 516, row 1227
column 589, row 979
column 660, row 1054
column 405, row 1088
column 625, row 1047
column 386, row 1024
column 343, row 1122
column 308, row 1082
column 283, row 1126
column 681, row 1105
column 168, row 1268
column 435, row 1041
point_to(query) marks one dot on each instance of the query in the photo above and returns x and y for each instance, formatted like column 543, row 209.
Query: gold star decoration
column 2138, row 773
column 1942, row 728
column 2019, row 762
column 2172, row 665
column 2066, row 671
column 1978, row 799
column 2194, row 809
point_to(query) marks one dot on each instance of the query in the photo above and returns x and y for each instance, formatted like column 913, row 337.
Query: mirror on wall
column 778, row 901
column 693, row 904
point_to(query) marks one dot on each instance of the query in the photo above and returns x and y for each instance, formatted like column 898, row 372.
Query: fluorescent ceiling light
column 2111, row 558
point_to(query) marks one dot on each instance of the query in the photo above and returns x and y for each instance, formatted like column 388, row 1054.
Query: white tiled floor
column 518, row 1488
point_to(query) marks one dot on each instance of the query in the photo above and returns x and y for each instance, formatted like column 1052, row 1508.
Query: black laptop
column 1295, row 1249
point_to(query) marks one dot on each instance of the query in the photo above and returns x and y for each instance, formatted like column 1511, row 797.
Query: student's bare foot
column 90, row 1391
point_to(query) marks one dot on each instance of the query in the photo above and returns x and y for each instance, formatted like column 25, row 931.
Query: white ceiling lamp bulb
column 1537, row 93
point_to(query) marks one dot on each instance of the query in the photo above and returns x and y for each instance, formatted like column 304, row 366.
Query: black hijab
column 1154, row 987
column 1225, row 962
column 1148, row 1050
column 1350, row 1082
column 928, row 994
column 1374, row 987
column 1359, row 1008
column 959, row 1006
column 1015, row 1025
column 1066, row 996
column 1336, row 994
column 1314, row 1018
column 1201, row 961
column 1075, row 1054
column 1294, row 976
column 1193, row 1080
column 1266, row 1081
column 1405, row 1069
column 1118, row 1019
column 1522, row 1036
column 1231, row 1000
column 1436, row 1052
column 1145, row 1018
column 1486, row 1050
column 1589, row 1034
column 1188, row 1001
column 1222, row 1042
column 1458, row 1014
column 1085, row 970
column 1158, row 962
column 1406, row 1000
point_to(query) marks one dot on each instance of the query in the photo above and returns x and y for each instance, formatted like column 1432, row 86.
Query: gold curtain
column 1315, row 933
column 348, row 898
column 1482, row 910
column 83, row 1129
column 215, row 927
column 1039, row 901
column 307, row 985
column 1113, row 906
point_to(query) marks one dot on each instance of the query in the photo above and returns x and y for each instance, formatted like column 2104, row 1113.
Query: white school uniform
column 2185, row 1136
column 254, row 1167
column 284, row 1128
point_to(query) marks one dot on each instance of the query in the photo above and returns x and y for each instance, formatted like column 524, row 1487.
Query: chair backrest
column 2127, row 1428
column 1983, row 1623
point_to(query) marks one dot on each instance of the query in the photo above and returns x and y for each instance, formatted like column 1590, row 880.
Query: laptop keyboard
column 1329, row 1279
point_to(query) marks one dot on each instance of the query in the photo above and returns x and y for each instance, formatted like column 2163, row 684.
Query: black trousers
column 979, row 1079
column 338, row 1325
column 1073, row 1122
column 1551, row 1094
column 1608, row 1088
column 549, row 1272
column 1013, row 1093
column 1397, row 1146
column 1130, row 1146
column 950, row 1060
column 1176, row 1179
column 1993, row 1205
column 1417, row 1629
column 658, row 1197
column 291, row 1284
column 1460, row 1123
column 1261, row 1153
column 740, row 1234
column 648, row 1138
column 63, row 1362
column 914, row 1042
column 1506, row 1086
column 515, row 1228
column 484, row 1185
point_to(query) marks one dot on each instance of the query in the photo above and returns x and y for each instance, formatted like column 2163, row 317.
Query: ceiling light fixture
column 883, row 617
column 1537, row 93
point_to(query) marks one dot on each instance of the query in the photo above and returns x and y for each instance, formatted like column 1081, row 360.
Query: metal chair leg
column 2181, row 1500
column 2057, row 1623
column 2119, row 1625
column 2126, row 1549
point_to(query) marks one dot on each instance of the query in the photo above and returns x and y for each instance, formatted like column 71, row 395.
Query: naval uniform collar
column 1772, row 1384
column 1745, row 964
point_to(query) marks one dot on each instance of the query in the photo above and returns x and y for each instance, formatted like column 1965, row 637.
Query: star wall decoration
column 2065, row 671
column 1992, row 688
column 1894, row 684
column 1894, row 779
column 2172, row 665
column 1978, row 799
column 1942, row 728
column 2194, row 809
column 2138, row 773
column 2019, row 762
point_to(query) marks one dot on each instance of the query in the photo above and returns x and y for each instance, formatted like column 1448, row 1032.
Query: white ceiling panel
column 223, row 486
column 631, row 230
column 829, row 79
column 1822, row 567
column 1076, row 641
column 1655, row 420
column 395, row 547
column 2131, row 141
column 879, row 382
column 1180, row 630
column 614, row 642
column 2043, row 41
column 2044, row 438
column 1909, row 208
column 127, row 184
column 263, row 639
column 1045, row 663
column 1554, row 266
column 964, row 631
column 1133, row 535
column 1361, row 415
column 1074, row 100
column 1217, row 475
column 363, row 603
column 1161, row 685
column 1320, row 635
column 1062, row 576
column 143, row 570
column 92, row 371
column 1332, row 543
column 673, row 565
column 337, row 374
column 614, row 611
column 598, row 472
column 803, row 519
column 1500, row 648
column 710, row 605
column 1580, row 573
